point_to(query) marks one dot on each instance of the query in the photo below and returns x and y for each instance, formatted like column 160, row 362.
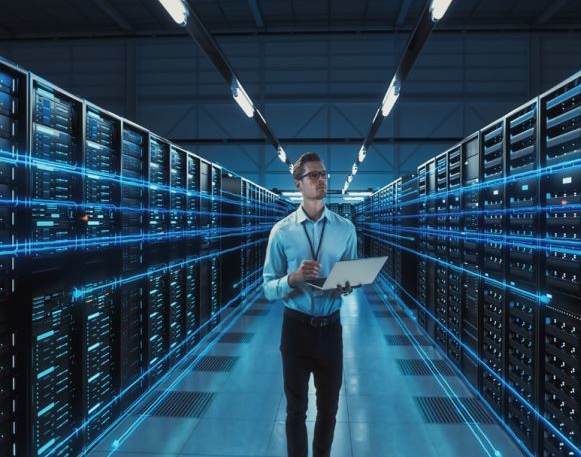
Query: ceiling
column 43, row 19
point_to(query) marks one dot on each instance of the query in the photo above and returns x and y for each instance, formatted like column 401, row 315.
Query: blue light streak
column 500, row 284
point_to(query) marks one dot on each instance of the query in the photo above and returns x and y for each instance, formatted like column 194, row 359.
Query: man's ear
column 297, row 184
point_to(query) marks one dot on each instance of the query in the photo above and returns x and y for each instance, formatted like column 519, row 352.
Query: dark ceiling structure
column 44, row 19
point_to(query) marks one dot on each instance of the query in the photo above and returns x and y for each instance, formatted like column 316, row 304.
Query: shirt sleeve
column 274, row 273
column 351, row 248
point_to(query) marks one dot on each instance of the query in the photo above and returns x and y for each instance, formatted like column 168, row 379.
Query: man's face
column 313, row 184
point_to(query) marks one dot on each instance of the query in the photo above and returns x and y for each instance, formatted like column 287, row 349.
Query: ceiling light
column 362, row 154
column 177, row 10
column 354, row 169
column 390, row 98
column 242, row 99
column 438, row 8
column 281, row 154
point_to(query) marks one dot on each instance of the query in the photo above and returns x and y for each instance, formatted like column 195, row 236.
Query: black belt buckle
column 319, row 321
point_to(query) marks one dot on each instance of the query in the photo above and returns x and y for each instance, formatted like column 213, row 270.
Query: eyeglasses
column 315, row 175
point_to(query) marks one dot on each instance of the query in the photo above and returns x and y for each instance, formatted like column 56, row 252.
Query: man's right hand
column 309, row 269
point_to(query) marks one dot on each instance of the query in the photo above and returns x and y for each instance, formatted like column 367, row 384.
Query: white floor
column 378, row 415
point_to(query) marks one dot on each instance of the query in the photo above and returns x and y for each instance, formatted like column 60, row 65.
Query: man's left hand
column 344, row 290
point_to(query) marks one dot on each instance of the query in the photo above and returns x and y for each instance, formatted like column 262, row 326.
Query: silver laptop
column 357, row 272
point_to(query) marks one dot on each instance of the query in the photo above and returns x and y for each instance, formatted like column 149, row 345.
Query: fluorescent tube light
column 438, row 8
column 242, row 99
column 390, row 98
column 362, row 154
column 281, row 154
column 353, row 199
column 177, row 10
column 360, row 194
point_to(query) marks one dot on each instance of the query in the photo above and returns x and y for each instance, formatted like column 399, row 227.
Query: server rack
column 440, row 202
column 232, row 226
column 131, row 354
column 471, row 223
column 560, row 338
column 494, row 265
column 454, row 254
column 406, row 258
column 423, row 261
column 522, row 200
column 55, row 188
column 513, row 199
column 13, row 142
column 105, row 256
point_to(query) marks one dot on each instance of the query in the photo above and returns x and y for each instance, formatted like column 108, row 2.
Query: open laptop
column 357, row 272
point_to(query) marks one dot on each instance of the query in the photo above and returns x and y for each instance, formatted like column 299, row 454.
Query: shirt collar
column 302, row 215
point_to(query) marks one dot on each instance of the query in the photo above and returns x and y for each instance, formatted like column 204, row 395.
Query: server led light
column 177, row 10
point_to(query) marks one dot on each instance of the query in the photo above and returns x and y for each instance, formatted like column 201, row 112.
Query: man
column 305, row 245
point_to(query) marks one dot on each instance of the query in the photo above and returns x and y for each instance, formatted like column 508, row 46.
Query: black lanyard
column 313, row 252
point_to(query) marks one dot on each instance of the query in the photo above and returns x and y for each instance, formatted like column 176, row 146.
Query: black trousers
column 318, row 350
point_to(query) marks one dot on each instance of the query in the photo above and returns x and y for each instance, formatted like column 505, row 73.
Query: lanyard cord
column 314, row 253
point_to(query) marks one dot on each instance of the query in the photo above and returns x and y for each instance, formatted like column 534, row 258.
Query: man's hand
column 344, row 290
column 309, row 269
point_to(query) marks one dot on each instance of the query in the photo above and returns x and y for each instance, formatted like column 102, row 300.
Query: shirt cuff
column 283, row 288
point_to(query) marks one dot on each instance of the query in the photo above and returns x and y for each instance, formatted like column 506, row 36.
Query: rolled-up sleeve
column 275, row 273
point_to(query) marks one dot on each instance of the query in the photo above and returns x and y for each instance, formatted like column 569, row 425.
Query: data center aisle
column 391, row 403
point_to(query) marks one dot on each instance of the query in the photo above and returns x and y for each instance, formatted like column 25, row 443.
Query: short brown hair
column 298, row 167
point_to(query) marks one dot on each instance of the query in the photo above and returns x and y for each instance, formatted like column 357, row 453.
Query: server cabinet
column 94, row 309
column 131, row 353
column 454, row 253
column 494, row 265
column 101, row 185
column 406, row 254
column 232, row 240
column 560, row 133
column 14, row 143
column 423, row 261
column 440, row 202
column 471, row 223
column 522, row 200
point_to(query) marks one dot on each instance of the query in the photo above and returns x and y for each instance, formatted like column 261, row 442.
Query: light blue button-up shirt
column 288, row 246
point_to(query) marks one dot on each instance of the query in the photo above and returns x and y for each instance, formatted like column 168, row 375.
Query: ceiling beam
column 114, row 14
column 323, row 141
column 403, row 12
column 550, row 11
column 256, row 13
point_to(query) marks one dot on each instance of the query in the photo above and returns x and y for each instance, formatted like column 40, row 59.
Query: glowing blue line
column 488, row 279
column 126, row 280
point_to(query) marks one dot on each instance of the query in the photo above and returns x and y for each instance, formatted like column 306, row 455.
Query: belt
column 314, row 321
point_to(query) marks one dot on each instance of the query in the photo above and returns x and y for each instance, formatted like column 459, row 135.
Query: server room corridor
column 399, row 397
